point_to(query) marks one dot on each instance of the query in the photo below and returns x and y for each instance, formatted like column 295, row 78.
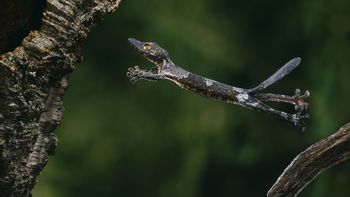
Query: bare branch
column 310, row 163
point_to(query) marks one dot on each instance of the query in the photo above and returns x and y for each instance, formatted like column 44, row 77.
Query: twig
column 250, row 98
column 310, row 163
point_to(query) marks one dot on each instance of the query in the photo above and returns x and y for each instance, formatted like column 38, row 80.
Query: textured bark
column 33, row 78
column 17, row 18
column 311, row 162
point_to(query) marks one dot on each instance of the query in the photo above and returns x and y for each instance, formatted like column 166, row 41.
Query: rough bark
column 33, row 78
column 311, row 162
column 17, row 18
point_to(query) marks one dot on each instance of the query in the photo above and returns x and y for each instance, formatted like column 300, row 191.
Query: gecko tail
column 278, row 75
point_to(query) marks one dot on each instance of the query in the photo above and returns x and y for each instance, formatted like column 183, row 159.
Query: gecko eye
column 147, row 47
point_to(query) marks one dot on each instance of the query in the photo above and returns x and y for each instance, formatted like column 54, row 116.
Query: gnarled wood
column 33, row 78
column 311, row 162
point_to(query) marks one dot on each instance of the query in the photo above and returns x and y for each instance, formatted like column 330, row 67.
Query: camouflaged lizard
column 251, row 98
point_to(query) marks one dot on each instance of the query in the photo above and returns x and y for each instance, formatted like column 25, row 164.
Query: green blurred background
column 155, row 140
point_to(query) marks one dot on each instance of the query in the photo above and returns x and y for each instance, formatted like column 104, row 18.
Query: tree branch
column 33, row 79
column 310, row 163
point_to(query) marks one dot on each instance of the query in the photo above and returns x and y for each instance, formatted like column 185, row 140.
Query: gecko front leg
column 135, row 73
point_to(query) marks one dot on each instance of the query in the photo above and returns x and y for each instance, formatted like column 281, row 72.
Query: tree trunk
column 33, row 78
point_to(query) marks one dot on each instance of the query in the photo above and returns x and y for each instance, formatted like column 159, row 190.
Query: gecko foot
column 134, row 74
column 299, row 120
column 299, row 100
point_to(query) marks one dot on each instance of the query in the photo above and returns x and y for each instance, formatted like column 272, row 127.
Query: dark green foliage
column 153, row 139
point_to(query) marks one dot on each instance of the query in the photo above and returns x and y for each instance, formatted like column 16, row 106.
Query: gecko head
column 150, row 50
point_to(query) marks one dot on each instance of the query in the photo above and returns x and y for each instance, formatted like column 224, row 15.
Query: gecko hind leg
column 298, row 119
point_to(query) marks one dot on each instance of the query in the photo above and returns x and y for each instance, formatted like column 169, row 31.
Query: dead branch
column 311, row 162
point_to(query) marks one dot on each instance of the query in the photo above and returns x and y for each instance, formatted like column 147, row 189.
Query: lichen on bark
column 33, row 78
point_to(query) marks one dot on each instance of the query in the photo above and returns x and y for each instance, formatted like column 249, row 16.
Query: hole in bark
column 17, row 18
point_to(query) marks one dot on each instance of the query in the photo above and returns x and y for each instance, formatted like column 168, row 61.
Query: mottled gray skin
column 251, row 98
column 150, row 50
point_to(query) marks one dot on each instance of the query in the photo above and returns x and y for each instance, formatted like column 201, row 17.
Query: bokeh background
column 152, row 139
